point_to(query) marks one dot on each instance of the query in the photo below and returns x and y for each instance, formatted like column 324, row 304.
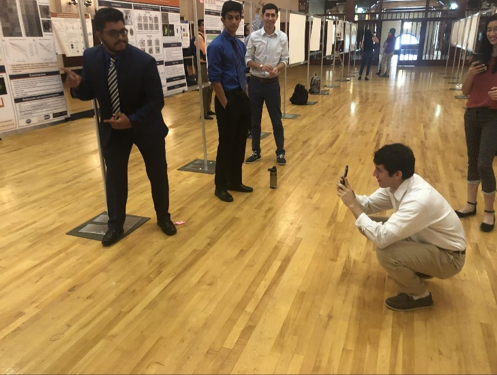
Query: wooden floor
column 279, row 281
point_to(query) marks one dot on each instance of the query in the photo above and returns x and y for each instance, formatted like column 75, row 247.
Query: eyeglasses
column 115, row 33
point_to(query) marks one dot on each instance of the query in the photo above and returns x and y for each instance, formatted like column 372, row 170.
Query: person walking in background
column 127, row 85
column 226, row 72
column 388, row 50
column 267, row 56
column 480, row 124
column 207, row 89
column 367, row 46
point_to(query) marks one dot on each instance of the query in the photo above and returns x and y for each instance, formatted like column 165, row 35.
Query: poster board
column 353, row 37
column 454, row 33
column 296, row 38
column 473, row 32
column 31, row 91
column 330, row 37
column 347, row 39
column 154, row 26
column 315, row 34
column 460, row 33
column 466, row 33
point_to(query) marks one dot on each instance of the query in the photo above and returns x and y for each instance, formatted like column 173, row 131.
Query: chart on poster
column 69, row 34
column 31, row 89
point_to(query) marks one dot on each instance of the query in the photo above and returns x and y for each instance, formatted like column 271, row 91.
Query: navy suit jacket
column 140, row 92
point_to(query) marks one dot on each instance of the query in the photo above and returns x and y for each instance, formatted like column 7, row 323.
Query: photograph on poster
column 31, row 18
column 44, row 11
column 9, row 18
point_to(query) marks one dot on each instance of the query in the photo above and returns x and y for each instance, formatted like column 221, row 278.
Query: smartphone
column 477, row 57
column 342, row 179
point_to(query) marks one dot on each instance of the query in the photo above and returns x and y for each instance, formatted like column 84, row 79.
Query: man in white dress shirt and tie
column 423, row 237
column 267, row 56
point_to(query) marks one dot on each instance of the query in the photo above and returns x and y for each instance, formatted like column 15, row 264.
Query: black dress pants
column 116, row 154
column 233, row 123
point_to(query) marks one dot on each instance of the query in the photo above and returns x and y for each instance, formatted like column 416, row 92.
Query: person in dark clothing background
column 367, row 46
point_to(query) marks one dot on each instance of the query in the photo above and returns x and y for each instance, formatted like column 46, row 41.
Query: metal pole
column 82, row 12
column 308, row 82
column 284, row 114
column 286, row 68
column 200, row 85
column 322, row 48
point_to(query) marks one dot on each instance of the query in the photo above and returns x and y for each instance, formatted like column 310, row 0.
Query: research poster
column 31, row 84
column 7, row 115
column 213, row 25
column 154, row 26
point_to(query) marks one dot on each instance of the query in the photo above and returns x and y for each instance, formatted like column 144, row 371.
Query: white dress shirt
column 266, row 48
column 421, row 214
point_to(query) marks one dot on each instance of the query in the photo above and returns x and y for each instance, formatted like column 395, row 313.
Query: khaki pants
column 385, row 63
column 403, row 259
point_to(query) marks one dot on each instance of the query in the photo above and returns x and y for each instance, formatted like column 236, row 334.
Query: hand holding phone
column 342, row 179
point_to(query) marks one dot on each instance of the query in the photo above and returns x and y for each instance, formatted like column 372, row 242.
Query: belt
column 234, row 92
column 265, row 80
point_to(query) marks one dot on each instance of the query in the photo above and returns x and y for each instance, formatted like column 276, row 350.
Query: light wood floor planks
column 279, row 281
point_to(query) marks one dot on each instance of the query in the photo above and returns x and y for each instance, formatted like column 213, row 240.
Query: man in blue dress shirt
column 226, row 71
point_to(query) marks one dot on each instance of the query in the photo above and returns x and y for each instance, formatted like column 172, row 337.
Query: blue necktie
column 240, row 65
column 113, row 89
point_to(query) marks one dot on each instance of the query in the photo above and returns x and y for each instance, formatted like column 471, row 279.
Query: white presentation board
column 330, row 37
column 473, row 31
column 296, row 38
column 454, row 33
column 466, row 33
column 316, row 34
column 353, row 37
column 460, row 33
column 346, row 46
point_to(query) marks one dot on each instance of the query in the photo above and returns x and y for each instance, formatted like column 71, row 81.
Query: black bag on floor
column 300, row 95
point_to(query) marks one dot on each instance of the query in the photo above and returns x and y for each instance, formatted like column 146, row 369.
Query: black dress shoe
column 212, row 113
column 223, row 195
column 242, row 188
column 466, row 214
column 167, row 227
column 207, row 117
column 112, row 236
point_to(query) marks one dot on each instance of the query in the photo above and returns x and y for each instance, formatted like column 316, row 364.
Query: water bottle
column 273, row 177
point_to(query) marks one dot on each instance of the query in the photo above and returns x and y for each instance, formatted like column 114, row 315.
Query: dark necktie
column 113, row 89
column 239, row 63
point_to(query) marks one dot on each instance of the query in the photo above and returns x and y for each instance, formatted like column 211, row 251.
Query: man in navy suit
column 130, row 113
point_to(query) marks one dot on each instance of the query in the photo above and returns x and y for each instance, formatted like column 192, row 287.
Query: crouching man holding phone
column 422, row 239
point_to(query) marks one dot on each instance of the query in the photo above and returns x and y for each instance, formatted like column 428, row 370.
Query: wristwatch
column 260, row 66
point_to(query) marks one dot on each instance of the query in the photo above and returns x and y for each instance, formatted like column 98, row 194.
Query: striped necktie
column 113, row 89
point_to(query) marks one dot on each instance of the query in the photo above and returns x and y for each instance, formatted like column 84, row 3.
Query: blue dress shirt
column 221, row 62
